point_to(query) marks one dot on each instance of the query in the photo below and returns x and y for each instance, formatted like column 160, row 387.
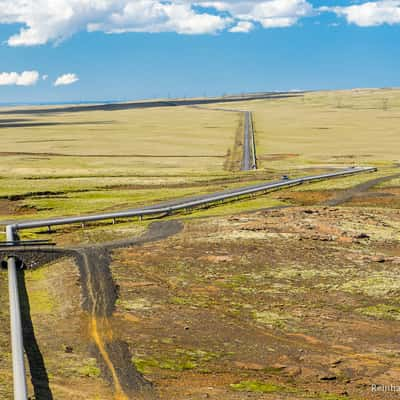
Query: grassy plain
column 327, row 128
column 176, row 132
column 69, row 163
column 89, row 161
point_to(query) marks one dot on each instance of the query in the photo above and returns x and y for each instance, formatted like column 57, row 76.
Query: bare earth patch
column 5, row 207
column 295, row 303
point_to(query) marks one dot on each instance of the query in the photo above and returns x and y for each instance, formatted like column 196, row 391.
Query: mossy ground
column 258, row 387
column 381, row 311
column 179, row 360
column 292, row 297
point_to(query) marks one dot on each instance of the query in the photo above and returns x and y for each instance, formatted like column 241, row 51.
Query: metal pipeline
column 17, row 343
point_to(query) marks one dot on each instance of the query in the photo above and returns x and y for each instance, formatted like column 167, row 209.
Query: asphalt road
column 249, row 161
column 246, row 145
column 249, row 157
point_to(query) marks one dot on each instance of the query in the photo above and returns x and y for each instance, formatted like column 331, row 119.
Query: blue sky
column 300, row 46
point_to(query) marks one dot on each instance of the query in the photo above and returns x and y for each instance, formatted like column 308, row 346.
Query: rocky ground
column 293, row 303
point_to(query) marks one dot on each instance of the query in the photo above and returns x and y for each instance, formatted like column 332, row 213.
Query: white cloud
column 269, row 13
column 66, row 79
column 370, row 13
column 242, row 27
column 44, row 77
column 153, row 16
column 52, row 21
column 45, row 21
column 26, row 78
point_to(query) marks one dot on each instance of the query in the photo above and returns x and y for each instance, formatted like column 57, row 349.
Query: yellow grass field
column 129, row 142
column 71, row 163
column 327, row 128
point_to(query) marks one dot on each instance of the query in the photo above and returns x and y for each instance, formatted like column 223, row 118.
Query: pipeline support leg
column 17, row 344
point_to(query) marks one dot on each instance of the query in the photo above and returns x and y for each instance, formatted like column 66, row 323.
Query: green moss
column 177, row 365
column 90, row 369
column 376, row 284
column 257, row 386
column 180, row 360
column 145, row 365
column 36, row 274
column 179, row 300
column 41, row 302
column 339, row 183
column 40, row 296
column 381, row 311
column 272, row 319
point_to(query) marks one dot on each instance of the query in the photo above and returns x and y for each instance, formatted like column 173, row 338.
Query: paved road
column 249, row 161
column 246, row 163
column 249, row 158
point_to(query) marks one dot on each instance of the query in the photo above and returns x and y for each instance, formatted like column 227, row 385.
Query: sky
column 102, row 50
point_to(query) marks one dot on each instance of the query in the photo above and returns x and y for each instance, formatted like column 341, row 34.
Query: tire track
column 97, row 325
column 348, row 194
column 99, row 295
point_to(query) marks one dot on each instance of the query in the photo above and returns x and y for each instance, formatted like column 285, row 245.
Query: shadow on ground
column 37, row 367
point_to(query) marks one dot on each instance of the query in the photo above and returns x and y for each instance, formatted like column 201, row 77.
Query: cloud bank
column 26, row 78
column 45, row 21
column 66, row 79
column 371, row 13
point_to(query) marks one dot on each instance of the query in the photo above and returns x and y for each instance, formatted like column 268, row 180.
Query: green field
column 72, row 163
